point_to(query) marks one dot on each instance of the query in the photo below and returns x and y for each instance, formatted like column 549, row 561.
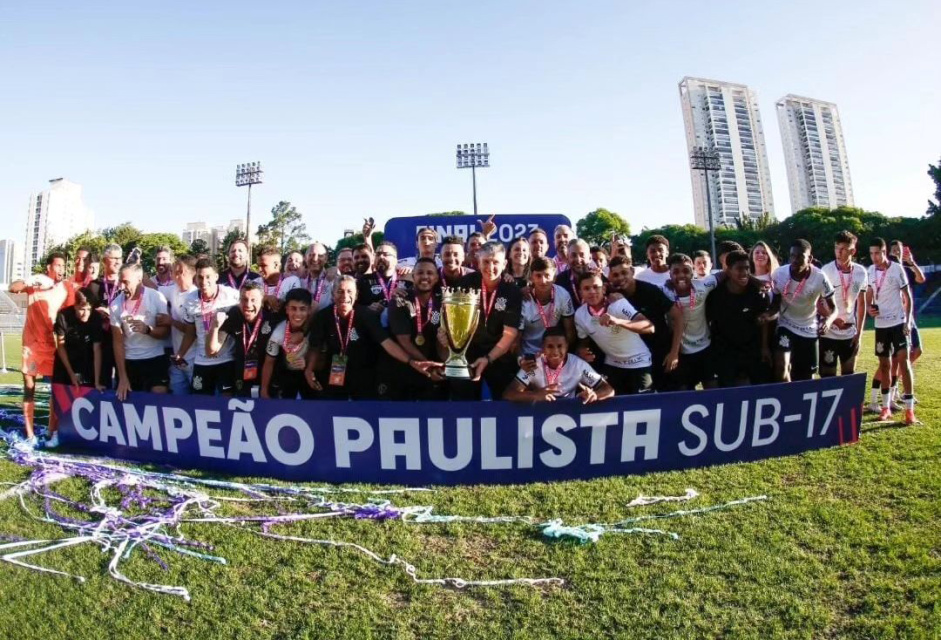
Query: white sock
column 875, row 396
column 887, row 398
column 909, row 400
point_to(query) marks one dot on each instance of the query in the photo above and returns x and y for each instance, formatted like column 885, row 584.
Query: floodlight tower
column 706, row 159
column 245, row 176
column 471, row 156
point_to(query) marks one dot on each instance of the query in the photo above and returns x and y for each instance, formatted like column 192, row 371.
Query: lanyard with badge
column 250, row 370
column 340, row 360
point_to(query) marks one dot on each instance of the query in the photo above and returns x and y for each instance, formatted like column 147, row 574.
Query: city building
column 724, row 116
column 212, row 236
column 11, row 261
column 54, row 216
column 818, row 173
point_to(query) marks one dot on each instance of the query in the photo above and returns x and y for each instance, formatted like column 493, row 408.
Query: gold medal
column 420, row 340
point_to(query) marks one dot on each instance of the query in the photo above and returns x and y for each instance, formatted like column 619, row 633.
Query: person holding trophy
column 493, row 327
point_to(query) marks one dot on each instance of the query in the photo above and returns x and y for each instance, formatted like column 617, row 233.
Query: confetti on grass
column 129, row 509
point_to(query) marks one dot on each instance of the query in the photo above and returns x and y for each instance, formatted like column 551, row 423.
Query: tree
column 597, row 227
column 199, row 247
column 357, row 238
column 934, row 172
column 286, row 230
column 150, row 242
column 125, row 234
column 447, row 213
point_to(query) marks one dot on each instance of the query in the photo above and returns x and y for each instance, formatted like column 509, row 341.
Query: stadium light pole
column 706, row 159
column 245, row 176
column 471, row 156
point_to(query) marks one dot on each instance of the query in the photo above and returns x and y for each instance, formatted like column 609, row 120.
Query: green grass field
column 847, row 547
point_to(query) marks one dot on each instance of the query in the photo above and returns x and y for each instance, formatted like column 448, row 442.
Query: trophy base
column 457, row 372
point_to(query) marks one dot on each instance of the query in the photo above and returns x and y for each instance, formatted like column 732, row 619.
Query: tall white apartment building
column 818, row 173
column 11, row 261
column 54, row 216
column 212, row 236
column 724, row 116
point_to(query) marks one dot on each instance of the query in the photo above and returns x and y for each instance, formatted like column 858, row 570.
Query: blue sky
column 355, row 108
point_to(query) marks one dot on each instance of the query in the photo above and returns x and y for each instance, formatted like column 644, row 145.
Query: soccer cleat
column 885, row 415
column 873, row 408
column 897, row 405
column 910, row 418
column 52, row 441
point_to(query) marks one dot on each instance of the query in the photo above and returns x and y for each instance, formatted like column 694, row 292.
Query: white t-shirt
column 196, row 312
column 533, row 325
column 321, row 291
column 139, row 346
column 799, row 299
column 622, row 348
column 887, row 288
column 293, row 359
column 849, row 286
column 575, row 371
column 285, row 284
column 651, row 276
column 696, row 335
column 175, row 297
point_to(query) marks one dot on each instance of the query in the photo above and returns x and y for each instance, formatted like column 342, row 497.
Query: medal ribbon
column 237, row 284
column 387, row 291
column 248, row 342
column 797, row 291
column 488, row 305
column 321, row 282
column 549, row 308
column 578, row 297
column 552, row 375
column 207, row 315
column 419, row 323
column 881, row 281
column 277, row 288
column 692, row 298
column 349, row 330
column 111, row 291
column 136, row 306
column 288, row 347
column 845, row 286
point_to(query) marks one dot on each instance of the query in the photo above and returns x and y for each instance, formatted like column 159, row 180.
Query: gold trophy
column 461, row 313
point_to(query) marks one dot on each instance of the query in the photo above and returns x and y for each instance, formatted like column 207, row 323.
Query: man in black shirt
column 376, row 290
column 739, row 342
column 249, row 325
column 649, row 300
column 414, row 322
column 501, row 306
column 105, row 289
column 79, row 335
column 578, row 253
column 238, row 272
column 345, row 341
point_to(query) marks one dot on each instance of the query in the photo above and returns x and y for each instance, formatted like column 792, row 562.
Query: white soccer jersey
column 575, row 371
column 200, row 313
column 139, row 346
column 887, row 288
column 533, row 324
column 696, row 335
column 321, row 291
column 849, row 286
column 294, row 359
column 175, row 299
column 280, row 290
column 799, row 299
column 622, row 348
column 651, row 276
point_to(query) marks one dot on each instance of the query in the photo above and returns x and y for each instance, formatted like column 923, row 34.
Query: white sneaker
column 874, row 408
column 52, row 441
column 26, row 444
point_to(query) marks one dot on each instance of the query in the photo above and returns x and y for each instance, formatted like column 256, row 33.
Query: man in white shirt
column 658, row 248
column 426, row 242
column 181, row 376
column 211, row 373
column 840, row 345
column 890, row 304
column 800, row 291
column 548, row 305
column 274, row 283
column 140, row 322
column 558, row 374
column 615, row 328
column 690, row 355
column 318, row 281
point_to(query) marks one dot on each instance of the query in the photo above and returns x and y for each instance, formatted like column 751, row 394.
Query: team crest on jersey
column 500, row 304
column 354, row 335
column 829, row 356
column 265, row 328
column 376, row 289
column 197, row 383
column 880, row 348
column 615, row 329
column 785, row 342
column 435, row 317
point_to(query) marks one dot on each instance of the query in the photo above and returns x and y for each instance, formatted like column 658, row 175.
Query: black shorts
column 696, row 368
column 144, row 375
column 804, row 351
column 288, row 384
column 210, row 378
column 916, row 338
column 734, row 365
column 626, row 382
column 890, row 341
column 498, row 375
column 834, row 351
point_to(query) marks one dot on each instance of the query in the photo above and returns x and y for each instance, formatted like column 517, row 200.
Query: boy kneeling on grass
column 557, row 374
